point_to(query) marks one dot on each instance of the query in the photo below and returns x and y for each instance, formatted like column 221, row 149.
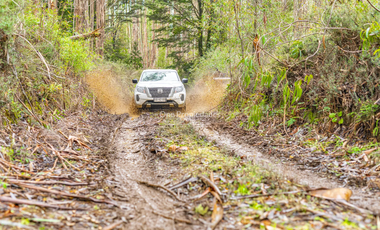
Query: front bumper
column 178, row 100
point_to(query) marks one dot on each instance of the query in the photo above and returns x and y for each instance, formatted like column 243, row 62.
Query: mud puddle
column 288, row 170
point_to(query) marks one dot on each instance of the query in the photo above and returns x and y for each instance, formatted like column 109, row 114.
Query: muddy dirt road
column 145, row 167
column 254, row 179
column 133, row 164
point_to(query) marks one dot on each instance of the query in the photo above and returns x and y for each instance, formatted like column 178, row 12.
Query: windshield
column 159, row 76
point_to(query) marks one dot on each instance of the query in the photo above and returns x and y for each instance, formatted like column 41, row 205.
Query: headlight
column 178, row 89
column 140, row 89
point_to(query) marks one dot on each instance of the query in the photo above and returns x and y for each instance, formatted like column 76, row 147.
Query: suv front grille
column 160, row 91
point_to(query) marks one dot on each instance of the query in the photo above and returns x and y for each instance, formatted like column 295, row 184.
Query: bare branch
column 373, row 6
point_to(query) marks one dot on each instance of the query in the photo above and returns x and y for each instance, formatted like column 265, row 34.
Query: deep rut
column 287, row 170
column 130, row 163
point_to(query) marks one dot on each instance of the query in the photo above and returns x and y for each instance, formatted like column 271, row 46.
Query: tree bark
column 92, row 21
column 3, row 49
column 100, row 18
column 200, row 30
column 94, row 34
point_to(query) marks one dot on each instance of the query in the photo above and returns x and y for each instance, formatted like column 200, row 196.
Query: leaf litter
column 122, row 183
column 57, row 177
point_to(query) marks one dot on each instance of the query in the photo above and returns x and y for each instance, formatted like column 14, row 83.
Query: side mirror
column 184, row 80
column 134, row 81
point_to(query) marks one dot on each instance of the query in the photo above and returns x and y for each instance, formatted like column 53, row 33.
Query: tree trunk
column 200, row 29
column 100, row 18
column 92, row 21
column 3, row 49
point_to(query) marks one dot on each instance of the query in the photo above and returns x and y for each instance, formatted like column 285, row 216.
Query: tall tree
column 100, row 22
column 187, row 21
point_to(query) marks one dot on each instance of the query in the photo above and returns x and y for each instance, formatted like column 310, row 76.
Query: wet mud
column 131, row 163
column 291, row 171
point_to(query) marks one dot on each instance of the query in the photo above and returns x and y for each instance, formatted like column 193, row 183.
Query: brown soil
column 131, row 162
column 234, row 139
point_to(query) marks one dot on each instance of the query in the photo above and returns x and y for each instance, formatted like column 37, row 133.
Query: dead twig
column 114, row 225
column 373, row 6
column 212, row 185
column 36, row 203
column 161, row 187
column 182, row 183
column 38, row 54
column 31, row 113
column 81, row 197
column 47, row 182
column 14, row 166
column 94, row 34
column 262, row 195
column 173, row 218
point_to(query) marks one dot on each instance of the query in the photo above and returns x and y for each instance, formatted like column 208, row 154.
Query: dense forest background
column 297, row 62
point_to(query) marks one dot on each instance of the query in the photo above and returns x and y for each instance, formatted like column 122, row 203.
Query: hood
column 159, row 83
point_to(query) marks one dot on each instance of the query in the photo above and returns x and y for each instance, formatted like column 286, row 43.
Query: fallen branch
column 373, row 5
column 182, row 183
column 114, row 225
column 36, row 203
column 47, row 182
column 65, row 194
column 173, row 218
column 94, row 34
column 197, row 197
column 212, row 185
column 161, row 187
column 38, row 54
column 31, row 113
column 14, row 166
column 262, row 195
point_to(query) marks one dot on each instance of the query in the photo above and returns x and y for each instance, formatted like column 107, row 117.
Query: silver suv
column 160, row 89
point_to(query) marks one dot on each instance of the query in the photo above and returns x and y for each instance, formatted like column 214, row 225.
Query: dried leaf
column 217, row 214
column 272, row 228
column 369, row 151
column 182, row 149
column 324, row 42
column 172, row 148
column 216, row 196
column 335, row 193
column 267, row 224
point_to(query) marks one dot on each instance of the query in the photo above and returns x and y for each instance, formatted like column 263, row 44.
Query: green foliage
column 201, row 210
column 367, row 111
column 116, row 49
column 290, row 122
column 286, row 93
column 75, row 54
column 297, row 49
column 254, row 116
column 266, row 79
column 7, row 15
column 297, row 93
column 242, row 190
column 42, row 59
column 375, row 131
column 371, row 36
column 335, row 117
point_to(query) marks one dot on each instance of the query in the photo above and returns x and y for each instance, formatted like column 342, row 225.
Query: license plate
column 159, row 99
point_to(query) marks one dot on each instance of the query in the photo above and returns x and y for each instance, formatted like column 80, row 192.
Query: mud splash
column 111, row 91
column 206, row 94
column 115, row 92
